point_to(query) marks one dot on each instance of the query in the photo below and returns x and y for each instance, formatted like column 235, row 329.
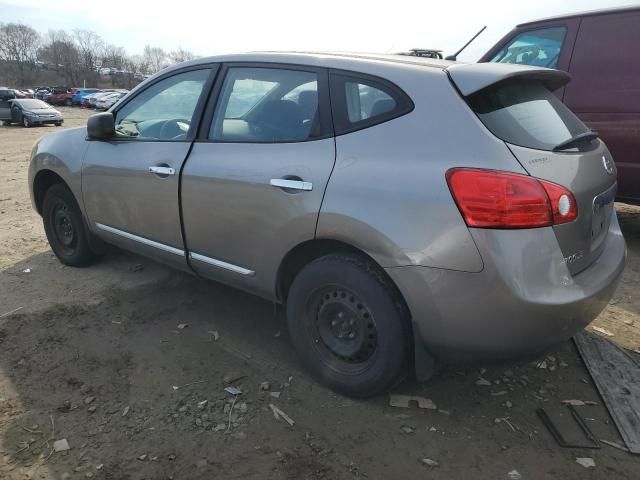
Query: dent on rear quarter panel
column 62, row 153
column 388, row 194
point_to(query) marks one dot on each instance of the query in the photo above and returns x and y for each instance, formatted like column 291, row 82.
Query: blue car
column 76, row 99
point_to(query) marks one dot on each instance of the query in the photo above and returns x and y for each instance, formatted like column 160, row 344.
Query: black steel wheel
column 64, row 227
column 349, row 325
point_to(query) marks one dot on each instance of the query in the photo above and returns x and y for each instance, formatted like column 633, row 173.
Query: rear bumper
column 524, row 301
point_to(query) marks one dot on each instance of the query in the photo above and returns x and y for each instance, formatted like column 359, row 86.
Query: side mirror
column 101, row 125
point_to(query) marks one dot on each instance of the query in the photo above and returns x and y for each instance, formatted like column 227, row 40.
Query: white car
column 107, row 101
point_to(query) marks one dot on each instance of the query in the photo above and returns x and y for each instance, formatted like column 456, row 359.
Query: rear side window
column 361, row 102
column 536, row 47
column 525, row 113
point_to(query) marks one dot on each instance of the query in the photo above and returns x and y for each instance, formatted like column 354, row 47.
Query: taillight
column 495, row 199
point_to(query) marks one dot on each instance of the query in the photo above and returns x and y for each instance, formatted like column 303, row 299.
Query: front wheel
column 25, row 122
column 349, row 325
column 64, row 227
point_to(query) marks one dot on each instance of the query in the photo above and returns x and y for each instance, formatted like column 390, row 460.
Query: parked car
column 63, row 96
column 28, row 93
column 107, row 101
column 90, row 100
column 43, row 93
column 428, row 211
column 6, row 95
column 31, row 112
column 76, row 98
column 600, row 51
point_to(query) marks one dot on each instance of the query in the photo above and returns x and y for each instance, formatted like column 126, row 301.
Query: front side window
column 540, row 48
column 163, row 111
column 267, row 105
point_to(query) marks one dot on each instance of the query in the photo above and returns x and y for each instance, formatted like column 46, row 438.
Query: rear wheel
column 349, row 326
column 64, row 227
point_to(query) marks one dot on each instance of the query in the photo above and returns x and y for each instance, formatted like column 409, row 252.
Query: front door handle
column 158, row 170
column 288, row 184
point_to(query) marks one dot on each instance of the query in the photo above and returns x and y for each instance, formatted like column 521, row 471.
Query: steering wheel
column 172, row 130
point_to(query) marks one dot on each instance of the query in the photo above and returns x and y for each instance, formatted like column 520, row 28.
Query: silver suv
column 408, row 211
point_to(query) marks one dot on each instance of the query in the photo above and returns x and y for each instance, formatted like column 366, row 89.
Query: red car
column 62, row 96
column 600, row 51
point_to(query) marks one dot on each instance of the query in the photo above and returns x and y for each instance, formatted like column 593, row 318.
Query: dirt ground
column 96, row 356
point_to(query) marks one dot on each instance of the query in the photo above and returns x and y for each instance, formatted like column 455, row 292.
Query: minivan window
column 525, row 113
column 540, row 48
column 266, row 105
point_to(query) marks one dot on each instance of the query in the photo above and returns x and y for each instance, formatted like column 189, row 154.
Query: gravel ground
column 98, row 357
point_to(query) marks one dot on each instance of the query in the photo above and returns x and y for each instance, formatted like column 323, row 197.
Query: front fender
column 61, row 153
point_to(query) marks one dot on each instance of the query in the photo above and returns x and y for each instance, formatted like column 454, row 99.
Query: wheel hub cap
column 345, row 327
column 63, row 225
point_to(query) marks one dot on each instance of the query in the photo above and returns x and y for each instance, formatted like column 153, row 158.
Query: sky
column 213, row 27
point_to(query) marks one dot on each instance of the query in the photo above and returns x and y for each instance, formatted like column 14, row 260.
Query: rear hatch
column 551, row 143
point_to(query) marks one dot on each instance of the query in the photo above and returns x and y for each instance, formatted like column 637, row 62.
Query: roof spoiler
column 473, row 77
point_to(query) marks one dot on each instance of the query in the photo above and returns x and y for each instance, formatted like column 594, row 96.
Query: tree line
column 75, row 56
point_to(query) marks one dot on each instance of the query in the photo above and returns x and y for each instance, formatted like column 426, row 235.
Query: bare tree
column 19, row 46
column 90, row 47
column 156, row 57
column 61, row 53
column 114, row 57
column 180, row 55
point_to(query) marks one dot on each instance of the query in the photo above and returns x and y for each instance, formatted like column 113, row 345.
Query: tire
column 58, row 124
column 25, row 122
column 68, row 102
column 65, row 228
column 349, row 325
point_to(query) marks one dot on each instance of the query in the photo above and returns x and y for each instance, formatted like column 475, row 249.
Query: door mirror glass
column 540, row 48
column 101, row 125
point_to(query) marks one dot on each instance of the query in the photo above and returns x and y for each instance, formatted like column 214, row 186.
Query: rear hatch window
column 526, row 113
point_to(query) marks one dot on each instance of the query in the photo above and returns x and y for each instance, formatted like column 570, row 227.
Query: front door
column 130, row 183
column 253, row 185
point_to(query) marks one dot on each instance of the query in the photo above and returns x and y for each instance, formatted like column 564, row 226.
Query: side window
column 363, row 102
column 163, row 111
column 267, row 105
column 540, row 48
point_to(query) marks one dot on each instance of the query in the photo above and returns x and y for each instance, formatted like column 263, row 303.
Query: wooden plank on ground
column 617, row 377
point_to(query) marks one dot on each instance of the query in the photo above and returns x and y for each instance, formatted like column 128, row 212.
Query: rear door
column 605, row 90
column 254, row 181
column 534, row 124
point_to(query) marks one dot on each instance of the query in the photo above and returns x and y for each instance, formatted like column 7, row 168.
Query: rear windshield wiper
column 581, row 138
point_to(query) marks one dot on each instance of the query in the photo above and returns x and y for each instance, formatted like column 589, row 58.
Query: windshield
column 525, row 113
column 33, row 103
column 538, row 47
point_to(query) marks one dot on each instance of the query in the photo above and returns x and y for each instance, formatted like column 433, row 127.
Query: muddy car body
column 399, row 214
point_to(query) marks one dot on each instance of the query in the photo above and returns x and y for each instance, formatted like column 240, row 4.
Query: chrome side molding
column 219, row 263
column 145, row 241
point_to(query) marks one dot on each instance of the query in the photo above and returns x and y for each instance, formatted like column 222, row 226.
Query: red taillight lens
column 494, row 199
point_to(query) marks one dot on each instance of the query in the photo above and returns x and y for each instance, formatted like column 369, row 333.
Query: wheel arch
column 302, row 254
column 43, row 180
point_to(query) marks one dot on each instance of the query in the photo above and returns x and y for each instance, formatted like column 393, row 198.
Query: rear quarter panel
column 388, row 194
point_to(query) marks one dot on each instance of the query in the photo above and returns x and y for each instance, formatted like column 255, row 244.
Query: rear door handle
column 292, row 184
column 162, row 170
